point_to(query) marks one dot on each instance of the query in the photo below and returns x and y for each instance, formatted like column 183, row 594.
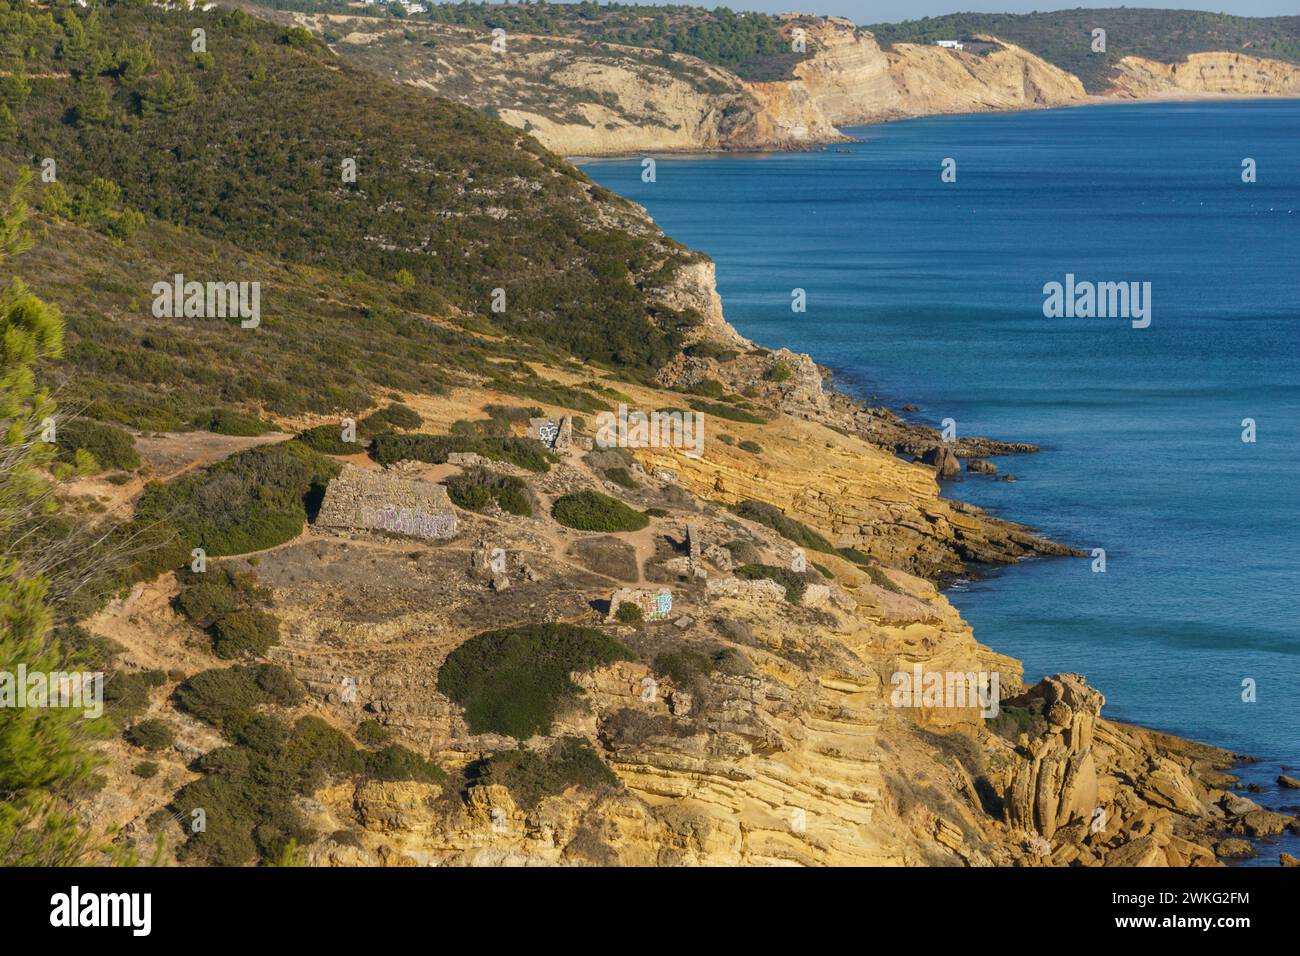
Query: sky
column 890, row 11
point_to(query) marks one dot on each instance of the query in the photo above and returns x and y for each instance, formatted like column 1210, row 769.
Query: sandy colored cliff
column 1226, row 74
column 583, row 98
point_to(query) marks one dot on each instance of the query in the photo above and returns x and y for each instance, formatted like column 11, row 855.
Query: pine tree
column 43, row 750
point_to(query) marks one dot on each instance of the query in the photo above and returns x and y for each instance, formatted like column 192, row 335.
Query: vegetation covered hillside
column 745, row 42
column 258, row 144
column 1064, row 37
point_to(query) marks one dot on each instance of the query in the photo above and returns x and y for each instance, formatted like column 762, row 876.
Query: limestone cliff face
column 848, row 75
column 931, row 79
column 1207, row 73
column 583, row 98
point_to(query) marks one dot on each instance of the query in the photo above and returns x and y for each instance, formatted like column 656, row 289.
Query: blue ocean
column 932, row 292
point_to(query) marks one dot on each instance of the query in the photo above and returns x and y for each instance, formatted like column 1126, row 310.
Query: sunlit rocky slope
column 585, row 98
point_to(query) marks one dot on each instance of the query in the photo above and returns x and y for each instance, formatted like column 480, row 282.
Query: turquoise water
column 932, row 293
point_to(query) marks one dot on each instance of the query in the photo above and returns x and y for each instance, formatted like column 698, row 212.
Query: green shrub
column 629, row 613
column 253, row 500
column 126, row 693
column 512, row 681
column 592, row 511
column 151, row 735
column 729, row 412
column 512, row 413
column 753, row 447
column 711, row 350
column 328, row 440
column 778, row 372
column 226, row 603
column 794, row 582
column 708, row 387
column 683, row 666
column 111, row 447
column 772, row 517
column 525, row 452
column 621, row 476
column 880, row 579
column 227, row 697
column 477, row 487
column 531, row 777
column 245, row 632
column 395, row 762
column 145, row 769
column 220, row 590
column 372, row 733
column 223, row 421
column 386, row 419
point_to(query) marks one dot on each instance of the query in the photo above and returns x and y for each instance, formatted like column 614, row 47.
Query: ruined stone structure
column 377, row 501
column 655, row 604
column 552, row 434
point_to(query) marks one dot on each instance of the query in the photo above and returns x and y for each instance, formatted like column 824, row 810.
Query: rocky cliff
column 591, row 99
column 788, row 744
column 1225, row 74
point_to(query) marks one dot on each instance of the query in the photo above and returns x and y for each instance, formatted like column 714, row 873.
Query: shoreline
column 825, row 146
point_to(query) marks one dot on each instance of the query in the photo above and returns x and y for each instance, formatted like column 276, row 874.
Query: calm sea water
column 929, row 292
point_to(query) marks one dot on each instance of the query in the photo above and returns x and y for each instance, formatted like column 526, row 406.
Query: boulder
column 1144, row 851
column 981, row 467
column 1286, row 859
column 1261, row 823
column 1234, row 849
column 1290, row 783
column 943, row 460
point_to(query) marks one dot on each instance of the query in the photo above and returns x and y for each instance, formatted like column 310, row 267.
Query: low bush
column 227, row 604
column 629, row 613
column 396, row 415
column 145, row 769
column 729, row 412
column 241, row 633
column 476, row 488
column 372, row 733
column 753, row 447
column 525, row 452
column 253, row 500
column 111, row 447
column 250, row 790
column 794, row 582
column 592, row 511
column 512, row 681
column 151, row 735
column 395, row 762
column 227, row 697
column 218, row 591
column 328, row 440
column 623, row 477
column 223, row 421
column 126, row 693
column 772, row 517
column 531, row 777
column 778, row 372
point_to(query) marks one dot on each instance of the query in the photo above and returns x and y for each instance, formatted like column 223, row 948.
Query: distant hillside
column 746, row 43
column 1064, row 37
column 242, row 148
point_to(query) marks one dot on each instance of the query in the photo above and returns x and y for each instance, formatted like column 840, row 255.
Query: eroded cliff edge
column 583, row 98
column 752, row 725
